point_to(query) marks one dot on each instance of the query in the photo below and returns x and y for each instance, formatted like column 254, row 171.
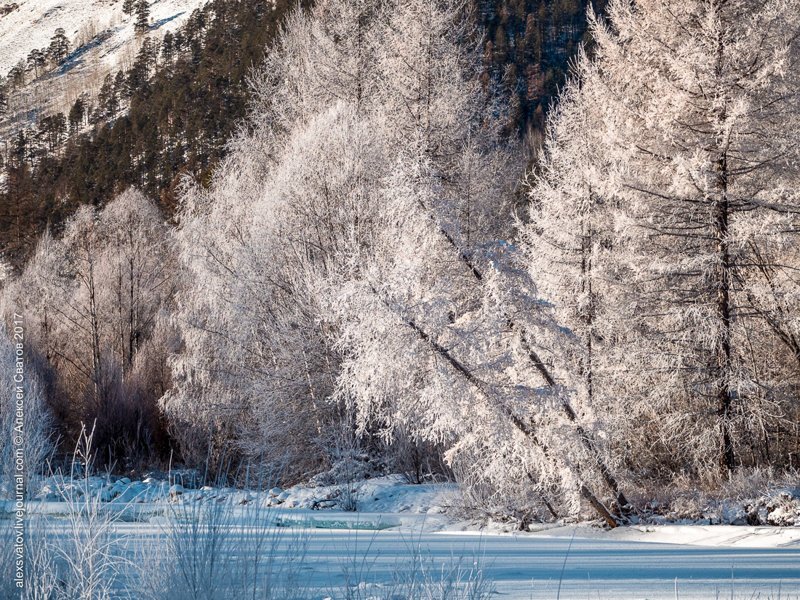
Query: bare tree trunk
column 724, row 395
column 587, row 284
column 95, row 332
column 723, row 392
column 586, row 438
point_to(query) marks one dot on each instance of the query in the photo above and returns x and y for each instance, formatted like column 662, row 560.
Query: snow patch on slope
column 33, row 22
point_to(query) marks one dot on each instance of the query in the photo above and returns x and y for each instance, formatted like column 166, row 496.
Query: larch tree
column 448, row 292
column 351, row 259
column 696, row 149
column 138, row 263
column 569, row 236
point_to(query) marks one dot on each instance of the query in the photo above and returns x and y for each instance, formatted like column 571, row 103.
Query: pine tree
column 59, row 47
column 37, row 59
column 142, row 11
column 107, row 97
column 77, row 114
column 17, row 74
column 3, row 96
column 121, row 85
column 168, row 47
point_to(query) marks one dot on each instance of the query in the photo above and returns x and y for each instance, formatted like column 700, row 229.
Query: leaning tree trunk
column 587, row 439
column 486, row 395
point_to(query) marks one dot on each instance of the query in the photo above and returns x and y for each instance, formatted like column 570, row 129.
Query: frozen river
column 526, row 566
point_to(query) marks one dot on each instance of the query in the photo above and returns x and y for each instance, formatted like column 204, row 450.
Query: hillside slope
column 167, row 112
column 33, row 22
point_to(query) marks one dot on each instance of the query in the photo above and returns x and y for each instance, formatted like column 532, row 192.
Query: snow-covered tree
column 446, row 197
column 34, row 421
column 572, row 250
column 693, row 147
column 93, row 298
column 139, row 270
column 321, row 58
column 569, row 237
column 256, row 344
column 296, row 196
column 352, row 255
column 440, row 117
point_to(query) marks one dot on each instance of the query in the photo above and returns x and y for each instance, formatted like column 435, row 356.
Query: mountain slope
column 33, row 22
column 149, row 118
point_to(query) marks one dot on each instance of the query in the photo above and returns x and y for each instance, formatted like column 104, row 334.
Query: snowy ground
column 397, row 520
column 33, row 22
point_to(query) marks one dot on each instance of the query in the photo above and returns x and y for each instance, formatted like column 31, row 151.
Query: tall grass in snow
column 90, row 549
column 419, row 577
column 210, row 550
column 79, row 556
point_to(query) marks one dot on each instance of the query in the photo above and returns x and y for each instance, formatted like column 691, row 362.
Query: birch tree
column 94, row 296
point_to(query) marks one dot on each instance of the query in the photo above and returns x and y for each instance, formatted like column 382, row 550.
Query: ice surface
column 634, row 562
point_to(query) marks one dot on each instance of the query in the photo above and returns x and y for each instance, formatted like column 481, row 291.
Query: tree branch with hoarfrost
column 673, row 152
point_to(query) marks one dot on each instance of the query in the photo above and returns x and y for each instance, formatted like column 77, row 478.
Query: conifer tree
column 142, row 11
column 3, row 96
column 77, row 114
column 695, row 149
column 59, row 47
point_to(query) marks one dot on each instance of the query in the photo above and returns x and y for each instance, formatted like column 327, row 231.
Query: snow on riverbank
column 391, row 502
column 390, row 494
column 406, row 532
column 729, row 536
